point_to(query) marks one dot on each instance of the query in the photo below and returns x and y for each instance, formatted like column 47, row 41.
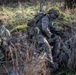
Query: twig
column 6, row 69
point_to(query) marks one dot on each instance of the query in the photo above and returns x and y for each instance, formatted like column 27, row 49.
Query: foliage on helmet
column 54, row 11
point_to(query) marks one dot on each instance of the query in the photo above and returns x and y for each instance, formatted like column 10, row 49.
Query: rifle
column 41, row 6
column 42, row 2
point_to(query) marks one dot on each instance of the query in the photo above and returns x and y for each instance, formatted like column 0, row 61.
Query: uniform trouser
column 50, row 64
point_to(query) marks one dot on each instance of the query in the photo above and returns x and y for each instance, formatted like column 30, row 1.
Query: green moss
column 18, row 28
column 54, row 8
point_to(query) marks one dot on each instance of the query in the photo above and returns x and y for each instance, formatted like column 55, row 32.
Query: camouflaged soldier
column 4, row 36
column 42, row 21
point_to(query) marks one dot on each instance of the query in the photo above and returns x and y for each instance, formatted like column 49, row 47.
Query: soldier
column 5, row 36
column 43, row 21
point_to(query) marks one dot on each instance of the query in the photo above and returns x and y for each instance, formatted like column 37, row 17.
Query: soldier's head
column 1, row 22
column 53, row 13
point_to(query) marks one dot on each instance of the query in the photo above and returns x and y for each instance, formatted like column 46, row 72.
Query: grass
column 17, row 28
column 66, row 71
column 18, row 15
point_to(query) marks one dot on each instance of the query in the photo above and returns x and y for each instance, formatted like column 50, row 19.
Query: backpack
column 36, row 21
column 39, row 16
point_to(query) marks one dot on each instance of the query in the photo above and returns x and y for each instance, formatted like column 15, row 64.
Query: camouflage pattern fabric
column 42, row 46
column 45, row 29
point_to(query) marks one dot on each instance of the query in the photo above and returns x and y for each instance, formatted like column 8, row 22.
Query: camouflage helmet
column 54, row 12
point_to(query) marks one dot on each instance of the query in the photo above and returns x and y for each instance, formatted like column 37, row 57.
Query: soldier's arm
column 45, row 23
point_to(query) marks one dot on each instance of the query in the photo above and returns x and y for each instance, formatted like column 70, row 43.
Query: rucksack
column 39, row 16
column 35, row 21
